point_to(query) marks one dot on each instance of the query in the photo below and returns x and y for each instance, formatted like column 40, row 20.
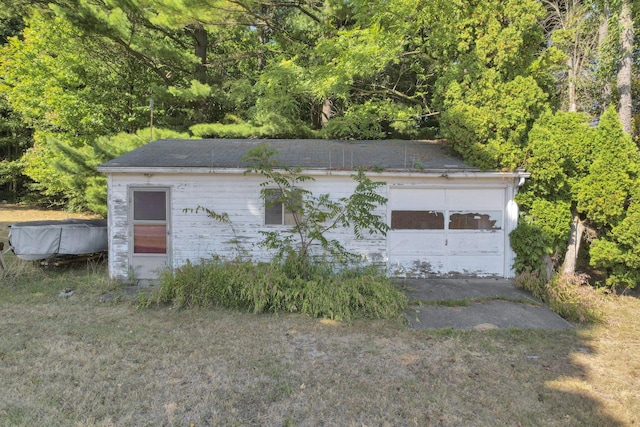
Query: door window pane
column 149, row 239
column 417, row 220
column 475, row 220
column 150, row 205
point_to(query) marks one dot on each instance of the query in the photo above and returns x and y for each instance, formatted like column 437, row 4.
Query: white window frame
column 287, row 217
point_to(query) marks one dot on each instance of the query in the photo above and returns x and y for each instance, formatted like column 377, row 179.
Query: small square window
column 275, row 212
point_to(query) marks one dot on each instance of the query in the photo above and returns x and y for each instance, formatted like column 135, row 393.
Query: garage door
column 447, row 231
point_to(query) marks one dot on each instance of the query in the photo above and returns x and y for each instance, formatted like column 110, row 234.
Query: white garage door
column 447, row 231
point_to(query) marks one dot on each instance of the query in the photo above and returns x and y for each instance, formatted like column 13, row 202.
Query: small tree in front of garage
column 302, row 276
column 314, row 216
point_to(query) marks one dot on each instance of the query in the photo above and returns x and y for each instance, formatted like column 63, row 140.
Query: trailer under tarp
column 41, row 240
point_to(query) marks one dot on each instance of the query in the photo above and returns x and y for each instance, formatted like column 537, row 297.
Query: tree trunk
column 327, row 112
column 201, row 40
column 263, row 34
column 603, row 35
column 571, row 257
column 262, row 40
column 571, row 89
column 624, row 72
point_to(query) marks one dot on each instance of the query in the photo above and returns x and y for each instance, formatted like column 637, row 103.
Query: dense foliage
column 590, row 173
column 511, row 83
column 83, row 70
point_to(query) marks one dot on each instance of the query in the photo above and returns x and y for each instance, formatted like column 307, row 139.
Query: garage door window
column 417, row 220
column 488, row 220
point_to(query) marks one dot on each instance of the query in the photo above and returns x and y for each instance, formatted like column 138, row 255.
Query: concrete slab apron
column 494, row 304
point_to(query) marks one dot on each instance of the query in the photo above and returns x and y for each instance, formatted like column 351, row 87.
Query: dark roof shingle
column 305, row 153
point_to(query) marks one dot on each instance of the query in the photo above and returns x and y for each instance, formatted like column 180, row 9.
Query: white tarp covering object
column 37, row 240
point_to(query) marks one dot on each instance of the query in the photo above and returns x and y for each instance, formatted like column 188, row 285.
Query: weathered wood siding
column 194, row 236
column 118, row 223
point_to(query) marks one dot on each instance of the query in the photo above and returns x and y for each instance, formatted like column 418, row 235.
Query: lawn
column 81, row 360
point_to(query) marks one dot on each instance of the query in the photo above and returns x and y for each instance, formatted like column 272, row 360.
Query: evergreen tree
column 587, row 177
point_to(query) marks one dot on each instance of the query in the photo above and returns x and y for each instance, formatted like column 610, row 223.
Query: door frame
column 145, row 266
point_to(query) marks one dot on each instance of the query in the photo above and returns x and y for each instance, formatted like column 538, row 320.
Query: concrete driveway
column 475, row 303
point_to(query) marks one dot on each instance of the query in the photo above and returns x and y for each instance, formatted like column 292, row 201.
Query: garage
column 446, row 217
column 452, row 230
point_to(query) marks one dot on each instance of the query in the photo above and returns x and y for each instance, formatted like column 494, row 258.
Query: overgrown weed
column 20, row 272
column 531, row 281
column 573, row 298
column 570, row 296
column 275, row 287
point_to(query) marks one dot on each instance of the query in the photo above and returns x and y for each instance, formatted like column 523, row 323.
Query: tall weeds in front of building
column 274, row 287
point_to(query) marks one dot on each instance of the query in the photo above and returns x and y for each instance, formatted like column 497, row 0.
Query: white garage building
column 446, row 218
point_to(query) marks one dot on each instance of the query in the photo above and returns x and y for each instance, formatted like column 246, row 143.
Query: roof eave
column 433, row 172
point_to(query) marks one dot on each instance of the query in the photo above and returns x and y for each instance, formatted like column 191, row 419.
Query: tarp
column 37, row 240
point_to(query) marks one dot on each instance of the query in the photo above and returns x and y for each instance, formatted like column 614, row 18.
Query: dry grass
column 611, row 361
column 81, row 362
column 16, row 213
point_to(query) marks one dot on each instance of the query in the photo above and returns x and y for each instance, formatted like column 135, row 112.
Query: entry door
column 149, row 232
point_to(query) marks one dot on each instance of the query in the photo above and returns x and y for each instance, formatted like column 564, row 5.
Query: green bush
column 531, row 244
column 274, row 287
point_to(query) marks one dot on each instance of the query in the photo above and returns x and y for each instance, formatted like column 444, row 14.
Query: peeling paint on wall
column 410, row 253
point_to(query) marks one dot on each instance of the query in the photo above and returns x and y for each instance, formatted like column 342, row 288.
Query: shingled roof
column 305, row 153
